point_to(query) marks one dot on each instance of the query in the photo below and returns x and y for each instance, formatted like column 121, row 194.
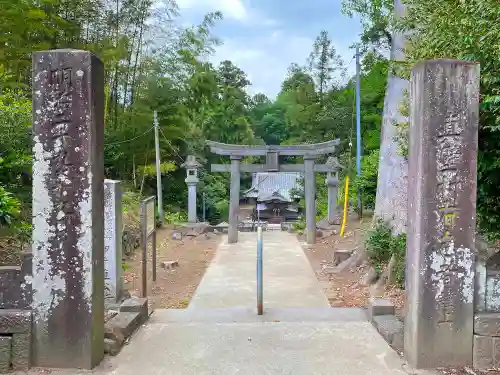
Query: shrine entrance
column 309, row 152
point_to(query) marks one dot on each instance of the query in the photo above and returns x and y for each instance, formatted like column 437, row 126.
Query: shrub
column 299, row 226
column 381, row 245
column 175, row 217
column 9, row 207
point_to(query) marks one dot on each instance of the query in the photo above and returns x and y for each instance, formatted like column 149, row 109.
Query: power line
column 132, row 139
column 170, row 144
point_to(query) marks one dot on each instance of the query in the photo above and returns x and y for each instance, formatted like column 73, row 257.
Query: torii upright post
column 234, row 203
column 237, row 152
column 310, row 195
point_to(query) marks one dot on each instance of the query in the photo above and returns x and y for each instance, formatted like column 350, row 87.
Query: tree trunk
column 392, row 185
column 136, row 62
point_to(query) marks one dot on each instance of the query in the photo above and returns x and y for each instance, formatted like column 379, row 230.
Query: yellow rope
column 346, row 195
column 344, row 220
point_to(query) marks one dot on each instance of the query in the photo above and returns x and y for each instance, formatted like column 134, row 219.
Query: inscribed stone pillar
column 442, row 214
column 234, row 203
column 113, row 233
column 68, row 205
column 332, row 182
column 310, row 194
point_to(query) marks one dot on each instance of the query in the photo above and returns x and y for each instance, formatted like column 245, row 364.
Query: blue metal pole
column 358, row 127
column 260, row 306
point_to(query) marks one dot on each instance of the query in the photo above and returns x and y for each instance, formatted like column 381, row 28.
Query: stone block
column 492, row 292
column 391, row 329
column 379, row 306
column 15, row 321
column 398, row 341
column 5, row 353
column 27, row 263
column 177, row 236
column 111, row 347
column 482, row 358
column 110, row 314
column 369, row 277
column 114, row 332
column 342, row 255
column 124, row 323
column 487, row 324
column 134, row 304
column 21, row 351
column 170, row 264
column 10, row 284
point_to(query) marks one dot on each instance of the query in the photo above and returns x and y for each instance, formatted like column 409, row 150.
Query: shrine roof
column 274, row 185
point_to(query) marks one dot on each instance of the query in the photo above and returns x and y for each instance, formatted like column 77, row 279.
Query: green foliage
column 175, row 217
column 195, row 99
column 375, row 18
column 367, row 181
column 381, row 245
column 299, row 226
column 150, row 170
column 453, row 30
column 15, row 140
column 9, row 207
column 462, row 30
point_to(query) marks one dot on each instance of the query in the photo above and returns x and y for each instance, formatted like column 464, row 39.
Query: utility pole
column 159, row 190
column 358, row 130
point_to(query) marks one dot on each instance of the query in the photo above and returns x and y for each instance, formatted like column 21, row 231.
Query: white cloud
column 234, row 9
column 265, row 60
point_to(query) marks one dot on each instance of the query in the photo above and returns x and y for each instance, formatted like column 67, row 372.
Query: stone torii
column 309, row 152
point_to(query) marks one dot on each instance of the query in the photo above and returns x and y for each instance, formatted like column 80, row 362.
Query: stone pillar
column 234, row 203
column 191, row 165
column 442, row 214
column 113, row 233
column 310, row 194
column 68, row 205
column 332, row 182
column 191, row 201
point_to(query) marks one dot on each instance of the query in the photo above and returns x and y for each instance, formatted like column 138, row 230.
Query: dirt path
column 175, row 287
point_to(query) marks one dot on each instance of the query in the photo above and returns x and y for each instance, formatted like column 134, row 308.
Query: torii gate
column 308, row 151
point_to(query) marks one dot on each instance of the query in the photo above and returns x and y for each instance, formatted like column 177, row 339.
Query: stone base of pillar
column 326, row 224
column 194, row 229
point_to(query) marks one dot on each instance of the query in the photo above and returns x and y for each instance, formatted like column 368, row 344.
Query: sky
column 263, row 37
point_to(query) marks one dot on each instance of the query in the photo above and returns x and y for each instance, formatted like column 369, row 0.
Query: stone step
column 119, row 328
column 248, row 315
column 125, row 323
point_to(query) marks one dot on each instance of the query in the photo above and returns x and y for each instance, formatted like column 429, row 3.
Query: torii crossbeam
column 308, row 151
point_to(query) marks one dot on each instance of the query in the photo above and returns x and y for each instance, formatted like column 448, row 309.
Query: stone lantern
column 191, row 165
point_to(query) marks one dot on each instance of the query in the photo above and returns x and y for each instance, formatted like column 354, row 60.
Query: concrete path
column 220, row 333
column 230, row 280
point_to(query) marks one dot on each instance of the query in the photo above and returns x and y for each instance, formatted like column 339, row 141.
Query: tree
column 376, row 18
column 463, row 30
column 324, row 61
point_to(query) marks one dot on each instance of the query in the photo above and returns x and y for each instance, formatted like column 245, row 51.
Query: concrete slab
column 221, row 334
column 289, row 281
column 249, row 315
column 254, row 349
